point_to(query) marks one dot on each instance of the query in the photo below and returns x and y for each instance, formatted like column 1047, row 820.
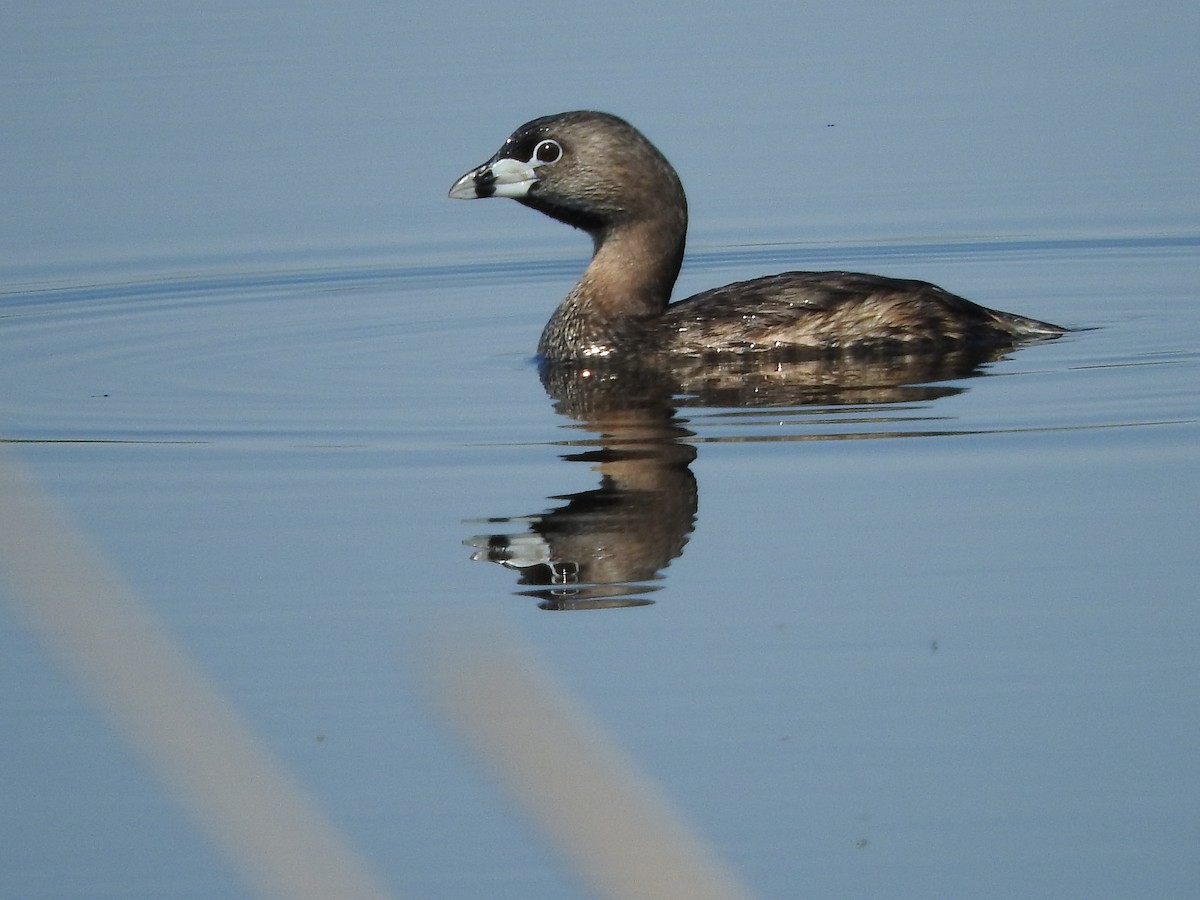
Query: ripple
column 353, row 353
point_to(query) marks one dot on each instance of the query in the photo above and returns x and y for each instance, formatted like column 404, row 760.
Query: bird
column 596, row 172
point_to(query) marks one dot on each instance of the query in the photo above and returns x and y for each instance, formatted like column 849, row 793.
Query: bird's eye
column 547, row 151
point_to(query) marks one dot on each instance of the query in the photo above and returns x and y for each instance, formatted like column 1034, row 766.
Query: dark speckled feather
column 838, row 311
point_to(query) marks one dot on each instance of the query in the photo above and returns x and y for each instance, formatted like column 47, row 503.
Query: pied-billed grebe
column 597, row 172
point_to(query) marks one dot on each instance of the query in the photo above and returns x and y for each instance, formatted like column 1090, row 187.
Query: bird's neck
column 633, row 268
column 627, row 284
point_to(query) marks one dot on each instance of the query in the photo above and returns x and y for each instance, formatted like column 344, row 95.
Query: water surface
column 928, row 636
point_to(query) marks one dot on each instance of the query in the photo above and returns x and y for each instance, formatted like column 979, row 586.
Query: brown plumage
column 596, row 172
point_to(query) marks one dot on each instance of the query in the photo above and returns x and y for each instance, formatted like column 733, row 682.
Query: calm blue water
column 934, row 642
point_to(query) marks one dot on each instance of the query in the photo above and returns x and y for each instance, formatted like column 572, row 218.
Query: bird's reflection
column 601, row 548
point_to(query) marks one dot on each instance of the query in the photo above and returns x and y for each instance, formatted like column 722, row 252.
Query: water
column 937, row 640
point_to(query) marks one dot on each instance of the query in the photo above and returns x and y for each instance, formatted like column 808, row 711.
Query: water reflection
column 601, row 547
